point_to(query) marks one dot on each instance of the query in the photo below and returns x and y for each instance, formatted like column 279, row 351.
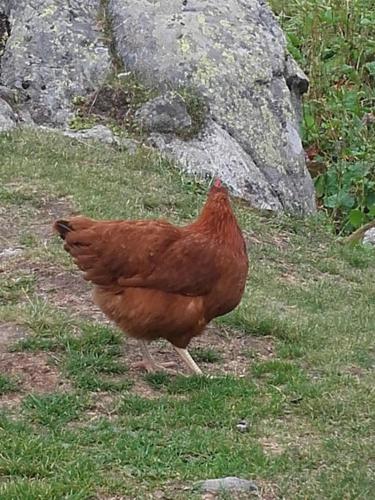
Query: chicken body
column 154, row 279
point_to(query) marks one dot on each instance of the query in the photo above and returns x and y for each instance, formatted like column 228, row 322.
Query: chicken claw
column 154, row 367
column 188, row 360
column 149, row 364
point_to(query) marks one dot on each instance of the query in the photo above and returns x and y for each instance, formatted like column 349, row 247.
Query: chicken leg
column 188, row 360
column 148, row 363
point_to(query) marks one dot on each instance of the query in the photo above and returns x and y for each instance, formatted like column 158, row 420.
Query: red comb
column 217, row 183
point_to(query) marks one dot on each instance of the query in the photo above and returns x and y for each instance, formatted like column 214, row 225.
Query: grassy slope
column 309, row 406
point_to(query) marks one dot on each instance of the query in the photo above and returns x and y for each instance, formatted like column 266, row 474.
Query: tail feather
column 62, row 227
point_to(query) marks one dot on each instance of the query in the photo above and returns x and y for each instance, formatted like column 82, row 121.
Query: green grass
column 312, row 401
column 53, row 409
column 206, row 355
column 14, row 289
column 7, row 384
column 88, row 352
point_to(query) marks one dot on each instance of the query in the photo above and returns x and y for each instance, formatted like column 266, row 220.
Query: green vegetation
column 116, row 102
column 53, row 410
column 205, row 354
column 333, row 42
column 7, row 384
column 197, row 110
column 14, row 288
column 109, row 431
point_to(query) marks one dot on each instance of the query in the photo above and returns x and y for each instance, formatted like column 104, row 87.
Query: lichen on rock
column 235, row 55
column 55, row 51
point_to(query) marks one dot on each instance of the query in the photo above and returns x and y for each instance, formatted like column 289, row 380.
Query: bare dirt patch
column 33, row 373
column 66, row 290
column 235, row 348
column 236, row 351
column 33, row 370
column 10, row 334
column 47, row 214
column 103, row 404
column 17, row 220
column 271, row 446
column 10, row 222
column 236, row 354
column 142, row 388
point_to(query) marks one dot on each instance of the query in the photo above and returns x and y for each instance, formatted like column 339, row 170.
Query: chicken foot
column 148, row 363
column 188, row 360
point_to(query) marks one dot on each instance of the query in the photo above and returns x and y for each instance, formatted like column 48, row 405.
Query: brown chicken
column 154, row 279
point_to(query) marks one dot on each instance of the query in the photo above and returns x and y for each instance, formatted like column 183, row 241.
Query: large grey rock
column 234, row 53
column 231, row 484
column 55, row 51
column 215, row 152
column 7, row 117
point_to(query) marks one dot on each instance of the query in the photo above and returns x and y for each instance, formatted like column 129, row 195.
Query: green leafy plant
column 347, row 190
column 332, row 42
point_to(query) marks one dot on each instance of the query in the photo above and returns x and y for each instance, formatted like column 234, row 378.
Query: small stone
column 126, row 143
column 232, row 484
column 369, row 237
column 7, row 117
column 99, row 132
column 164, row 114
column 243, row 426
column 10, row 252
